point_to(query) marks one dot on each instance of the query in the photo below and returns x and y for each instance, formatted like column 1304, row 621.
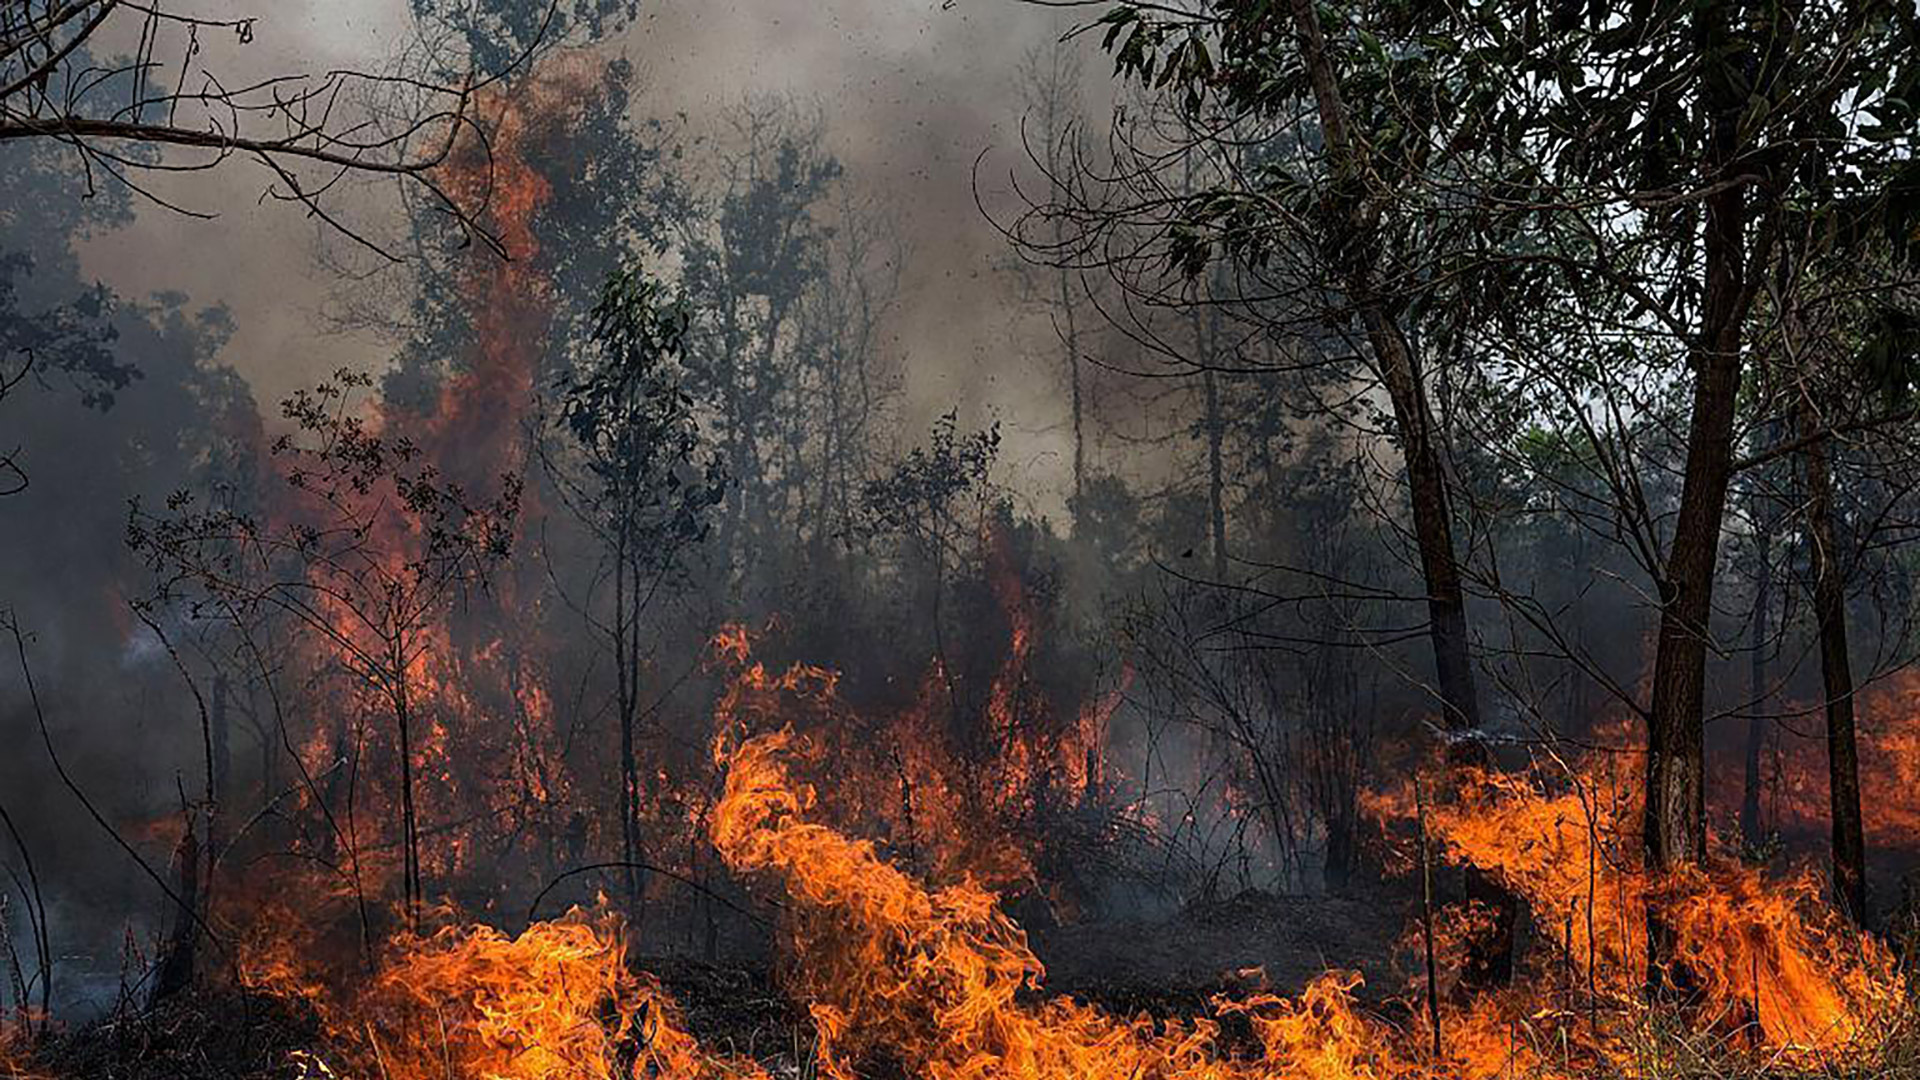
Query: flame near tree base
column 943, row 984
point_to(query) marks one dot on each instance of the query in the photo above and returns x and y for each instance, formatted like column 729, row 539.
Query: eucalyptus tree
column 183, row 101
column 1666, row 153
column 1310, row 216
column 1584, row 203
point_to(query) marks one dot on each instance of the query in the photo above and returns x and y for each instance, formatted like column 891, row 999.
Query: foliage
column 634, row 422
column 918, row 496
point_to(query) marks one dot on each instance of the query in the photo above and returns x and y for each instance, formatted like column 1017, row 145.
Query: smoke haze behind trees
column 913, row 92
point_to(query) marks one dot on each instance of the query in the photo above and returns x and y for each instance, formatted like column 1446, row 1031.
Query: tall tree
column 1667, row 150
column 375, row 549
column 638, row 476
column 1324, row 241
column 1050, row 77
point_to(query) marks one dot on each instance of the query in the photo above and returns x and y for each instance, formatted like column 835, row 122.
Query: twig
column 1426, row 916
column 533, row 909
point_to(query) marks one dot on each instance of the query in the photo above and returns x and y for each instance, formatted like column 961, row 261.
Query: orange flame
column 1768, row 952
column 943, row 981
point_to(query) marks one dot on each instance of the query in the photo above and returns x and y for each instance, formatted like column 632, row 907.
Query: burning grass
column 892, row 975
column 899, row 979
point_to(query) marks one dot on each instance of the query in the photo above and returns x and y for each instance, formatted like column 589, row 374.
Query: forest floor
column 1162, row 967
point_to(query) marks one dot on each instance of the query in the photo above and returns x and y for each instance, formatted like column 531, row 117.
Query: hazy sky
column 914, row 90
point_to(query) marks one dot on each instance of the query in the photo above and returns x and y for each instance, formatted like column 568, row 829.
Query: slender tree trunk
column 1353, row 252
column 1433, row 530
column 627, row 677
column 1070, row 339
column 1836, row 671
column 175, row 971
column 220, row 724
column 411, row 886
column 1052, row 94
column 1752, row 830
column 1353, row 249
column 1205, row 337
column 1216, row 486
column 1674, row 828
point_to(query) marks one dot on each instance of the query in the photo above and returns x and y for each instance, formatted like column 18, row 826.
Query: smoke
column 914, row 93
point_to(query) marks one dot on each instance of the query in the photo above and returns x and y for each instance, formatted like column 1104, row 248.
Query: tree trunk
column 1432, row 529
column 1674, row 827
column 175, row 971
column 1070, row 339
column 411, row 884
column 626, row 616
column 1752, row 829
column 220, row 726
column 1216, row 485
column 1836, row 671
column 1399, row 372
column 1352, row 247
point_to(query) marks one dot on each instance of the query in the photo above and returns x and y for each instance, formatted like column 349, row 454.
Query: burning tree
column 370, row 553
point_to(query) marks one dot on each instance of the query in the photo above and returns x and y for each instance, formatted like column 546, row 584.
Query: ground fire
column 1356, row 542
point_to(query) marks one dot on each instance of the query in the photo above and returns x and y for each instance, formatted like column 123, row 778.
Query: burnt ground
column 1162, row 966
column 1174, row 965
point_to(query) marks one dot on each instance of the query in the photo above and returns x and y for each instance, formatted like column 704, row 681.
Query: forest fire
column 1440, row 610
column 1758, row 952
column 1793, row 794
column 942, row 982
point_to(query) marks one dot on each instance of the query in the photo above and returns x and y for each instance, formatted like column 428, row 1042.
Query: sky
column 915, row 92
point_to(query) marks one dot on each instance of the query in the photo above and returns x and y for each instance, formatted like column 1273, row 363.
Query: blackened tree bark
column 1836, row 672
column 175, row 970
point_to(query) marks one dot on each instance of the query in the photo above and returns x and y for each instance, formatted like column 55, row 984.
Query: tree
column 920, row 500
column 1321, row 238
column 128, row 120
column 372, row 552
column 1314, row 226
column 639, row 476
column 1653, row 165
column 1842, row 350
column 1049, row 89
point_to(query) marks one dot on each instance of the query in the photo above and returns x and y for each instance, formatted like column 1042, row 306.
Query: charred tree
column 174, row 973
